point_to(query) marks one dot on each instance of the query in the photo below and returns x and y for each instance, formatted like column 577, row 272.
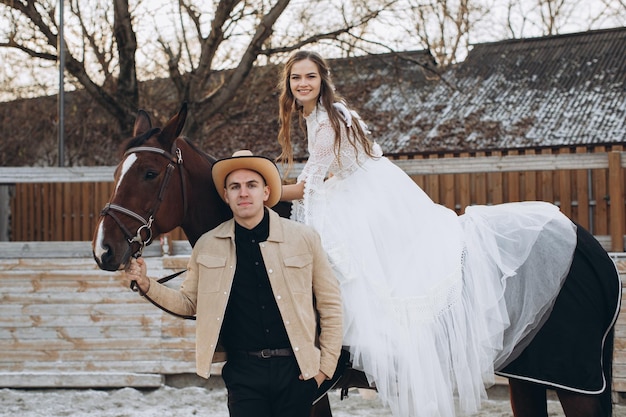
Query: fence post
column 5, row 212
column 616, row 195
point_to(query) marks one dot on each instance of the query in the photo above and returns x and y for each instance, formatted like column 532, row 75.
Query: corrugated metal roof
column 552, row 91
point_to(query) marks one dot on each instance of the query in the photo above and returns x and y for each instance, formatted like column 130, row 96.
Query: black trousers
column 267, row 387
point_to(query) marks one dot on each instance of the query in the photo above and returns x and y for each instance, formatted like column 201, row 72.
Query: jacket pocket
column 299, row 269
column 210, row 269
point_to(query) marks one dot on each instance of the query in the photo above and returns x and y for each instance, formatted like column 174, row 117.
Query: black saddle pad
column 576, row 341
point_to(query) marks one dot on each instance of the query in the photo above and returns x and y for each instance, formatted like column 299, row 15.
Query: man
column 263, row 291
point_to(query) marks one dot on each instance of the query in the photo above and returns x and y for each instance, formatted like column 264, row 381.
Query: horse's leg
column 321, row 408
column 528, row 399
column 580, row 405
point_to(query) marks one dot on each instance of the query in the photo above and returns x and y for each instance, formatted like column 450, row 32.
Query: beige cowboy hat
column 244, row 159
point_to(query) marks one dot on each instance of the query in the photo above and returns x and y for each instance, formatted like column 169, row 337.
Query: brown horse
column 164, row 181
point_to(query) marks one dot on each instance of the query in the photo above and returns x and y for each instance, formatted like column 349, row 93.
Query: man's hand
column 137, row 271
column 319, row 378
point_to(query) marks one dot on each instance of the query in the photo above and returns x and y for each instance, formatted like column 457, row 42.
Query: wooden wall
column 587, row 184
column 67, row 211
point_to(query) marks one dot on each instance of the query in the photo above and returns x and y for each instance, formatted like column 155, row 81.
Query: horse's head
column 162, row 182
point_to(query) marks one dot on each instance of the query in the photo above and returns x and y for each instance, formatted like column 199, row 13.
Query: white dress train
column 432, row 301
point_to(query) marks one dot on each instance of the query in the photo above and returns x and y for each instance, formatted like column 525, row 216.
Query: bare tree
column 208, row 91
column 553, row 17
column 108, row 75
column 102, row 44
column 443, row 26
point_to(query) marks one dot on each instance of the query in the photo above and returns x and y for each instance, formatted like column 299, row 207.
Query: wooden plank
column 67, row 347
column 600, row 196
column 15, row 206
column 495, row 181
column 514, row 181
column 47, row 211
column 14, row 175
column 57, row 221
column 420, row 180
column 86, row 212
column 508, row 163
column 432, row 182
column 447, row 189
column 582, row 194
column 79, row 380
column 106, row 296
column 530, row 185
column 64, row 215
column 479, row 181
column 464, row 189
column 545, row 185
column 16, row 320
column 73, row 331
column 73, row 249
column 30, row 213
column 161, row 366
column 616, row 197
column 118, row 358
column 565, row 190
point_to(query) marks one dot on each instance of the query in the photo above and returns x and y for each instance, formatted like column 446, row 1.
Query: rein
column 135, row 287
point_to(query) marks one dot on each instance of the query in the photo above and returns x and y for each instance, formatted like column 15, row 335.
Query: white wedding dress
column 426, row 315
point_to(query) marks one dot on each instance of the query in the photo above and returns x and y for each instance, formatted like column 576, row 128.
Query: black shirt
column 252, row 320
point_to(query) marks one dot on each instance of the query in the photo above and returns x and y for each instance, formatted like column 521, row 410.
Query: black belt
column 270, row 353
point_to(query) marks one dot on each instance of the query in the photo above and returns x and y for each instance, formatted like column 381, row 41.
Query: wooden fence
column 63, row 204
column 65, row 323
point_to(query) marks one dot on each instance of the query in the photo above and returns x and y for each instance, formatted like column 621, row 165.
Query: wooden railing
column 63, row 204
column 65, row 323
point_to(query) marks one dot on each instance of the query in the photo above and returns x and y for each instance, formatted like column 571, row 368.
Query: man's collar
column 227, row 229
column 260, row 230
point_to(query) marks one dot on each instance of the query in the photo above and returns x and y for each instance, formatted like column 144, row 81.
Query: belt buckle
column 266, row 353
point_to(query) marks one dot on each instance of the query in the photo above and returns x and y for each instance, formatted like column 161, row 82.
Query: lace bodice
column 323, row 161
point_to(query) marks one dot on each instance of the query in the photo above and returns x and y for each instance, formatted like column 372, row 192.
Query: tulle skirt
column 434, row 301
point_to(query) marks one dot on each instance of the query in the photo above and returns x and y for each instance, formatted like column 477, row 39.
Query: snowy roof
column 554, row 91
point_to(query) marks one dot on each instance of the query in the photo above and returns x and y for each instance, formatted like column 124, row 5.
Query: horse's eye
column 151, row 175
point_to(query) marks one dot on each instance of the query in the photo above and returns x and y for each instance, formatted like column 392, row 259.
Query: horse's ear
column 175, row 125
column 142, row 123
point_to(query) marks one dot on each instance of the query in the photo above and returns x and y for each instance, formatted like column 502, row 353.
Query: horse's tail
column 606, row 398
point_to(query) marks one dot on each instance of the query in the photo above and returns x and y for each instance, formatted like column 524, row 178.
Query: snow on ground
column 191, row 401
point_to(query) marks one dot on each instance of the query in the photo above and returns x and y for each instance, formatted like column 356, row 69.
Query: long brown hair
column 288, row 104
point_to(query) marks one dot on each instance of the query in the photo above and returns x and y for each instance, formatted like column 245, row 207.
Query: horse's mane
column 138, row 140
column 193, row 146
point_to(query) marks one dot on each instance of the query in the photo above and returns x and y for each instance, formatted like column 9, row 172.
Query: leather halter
column 146, row 222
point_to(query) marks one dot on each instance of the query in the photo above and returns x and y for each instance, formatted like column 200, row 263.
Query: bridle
column 175, row 159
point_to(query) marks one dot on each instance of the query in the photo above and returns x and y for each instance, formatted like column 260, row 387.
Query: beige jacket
column 299, row 272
